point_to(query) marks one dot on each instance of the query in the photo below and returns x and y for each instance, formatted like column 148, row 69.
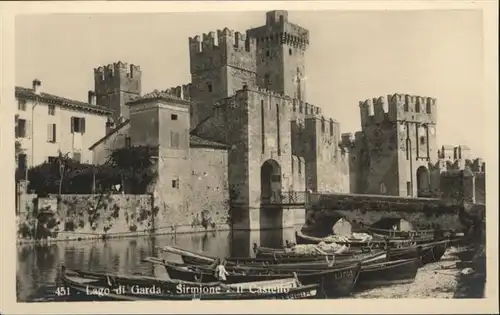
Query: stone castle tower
column 115, row 85
column 281, row 48
column 248, row 91
column 397, row 145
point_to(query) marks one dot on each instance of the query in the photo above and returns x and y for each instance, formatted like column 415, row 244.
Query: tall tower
column 220, row 65
column 115, row 85
column 281, row 48
column 400, row 143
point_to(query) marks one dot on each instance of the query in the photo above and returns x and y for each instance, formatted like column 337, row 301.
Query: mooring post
column 153, row 228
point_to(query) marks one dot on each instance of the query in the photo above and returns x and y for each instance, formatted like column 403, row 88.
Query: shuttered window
column 174, row 140
column 51, row 133
column 77, row 125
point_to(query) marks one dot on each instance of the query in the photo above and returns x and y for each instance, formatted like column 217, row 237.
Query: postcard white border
column 8, row 304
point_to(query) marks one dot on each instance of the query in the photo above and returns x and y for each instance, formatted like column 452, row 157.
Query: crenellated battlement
column 117, row 69
column 269, row 92
column 222, row 48
column 302, row 107
column 222, row 38
column 398, row 107
column 279, row 30
column 181, row 91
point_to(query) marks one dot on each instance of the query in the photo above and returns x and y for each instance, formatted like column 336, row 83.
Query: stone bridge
column 370, row 209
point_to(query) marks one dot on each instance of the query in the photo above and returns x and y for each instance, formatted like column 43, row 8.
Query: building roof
column 26, row 93
column 195, row 141
column 158, row 95
column 118, row 127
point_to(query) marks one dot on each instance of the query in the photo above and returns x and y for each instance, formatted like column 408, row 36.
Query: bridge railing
column 285, row 198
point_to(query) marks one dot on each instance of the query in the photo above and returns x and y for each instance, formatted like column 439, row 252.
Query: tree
column 132, row 166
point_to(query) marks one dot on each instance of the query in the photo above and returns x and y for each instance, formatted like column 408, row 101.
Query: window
column 262, row 127
column 77, row 156
column 175, row 183
column 21, row 128
column 322, row 126
column 428, row 108
column 173, row 117
column 267, row 81
column 52, row 110
column 209, row 86
column 52, row 159
column 408, row 188
column 417, row 107
column 128, row 142
column 331, row 128
column 278, row 128
column 422, row 140
column 290, row 51
column 51, row 133
column 77, row 125
column 268, row 53
column 22, row 163
column 300, row 166
column 21, row 105
column 174, row 140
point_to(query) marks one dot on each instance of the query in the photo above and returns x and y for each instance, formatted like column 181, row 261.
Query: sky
column 352, row 56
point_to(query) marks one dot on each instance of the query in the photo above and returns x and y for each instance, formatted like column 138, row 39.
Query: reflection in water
column 38, row 265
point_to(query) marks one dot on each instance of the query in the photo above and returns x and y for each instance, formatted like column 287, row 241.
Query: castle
column 242, row 131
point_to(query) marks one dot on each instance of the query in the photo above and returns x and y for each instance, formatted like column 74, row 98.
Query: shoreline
column 78, row 237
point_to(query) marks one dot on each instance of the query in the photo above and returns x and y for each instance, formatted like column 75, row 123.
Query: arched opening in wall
column 423, row 182
column 270, row 182
column 271, row 211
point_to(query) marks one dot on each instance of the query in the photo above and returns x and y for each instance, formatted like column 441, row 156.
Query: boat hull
column 86, row 288
column 334, row 282
column 389, row 273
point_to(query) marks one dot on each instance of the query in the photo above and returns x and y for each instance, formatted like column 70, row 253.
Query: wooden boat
column 335, row 282
column 367, row 258
column 388, row 273
column 194, row 258
column 94, row 287
column 427, row 252
column 379, row 241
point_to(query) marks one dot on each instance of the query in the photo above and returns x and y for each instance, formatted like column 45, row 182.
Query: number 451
column 62, row 291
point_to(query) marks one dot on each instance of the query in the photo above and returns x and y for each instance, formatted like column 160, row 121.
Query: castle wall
column 269, row 122
column 209, row 184
column 327, row 169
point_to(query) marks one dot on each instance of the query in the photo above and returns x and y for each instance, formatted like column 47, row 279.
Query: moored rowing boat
column 335, row 281
column 92, row 286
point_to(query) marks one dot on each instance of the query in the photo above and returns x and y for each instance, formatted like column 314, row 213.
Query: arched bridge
column 369, row 209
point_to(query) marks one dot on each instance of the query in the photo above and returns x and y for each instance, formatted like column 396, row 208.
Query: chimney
column 37, row 84
column 92, row 98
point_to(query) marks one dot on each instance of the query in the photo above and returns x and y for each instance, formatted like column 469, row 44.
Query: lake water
column 38, row 265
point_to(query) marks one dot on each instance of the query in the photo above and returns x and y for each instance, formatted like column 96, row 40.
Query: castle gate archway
column 423, row 182
column 271, row 211
column 270, row 182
